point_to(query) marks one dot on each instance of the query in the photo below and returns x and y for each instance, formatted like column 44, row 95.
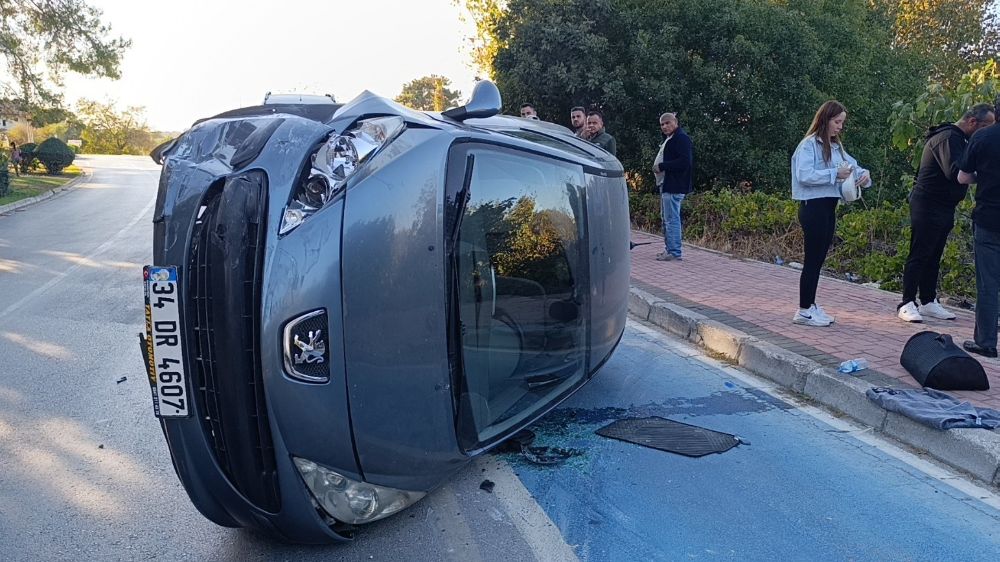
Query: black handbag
column 936, row 362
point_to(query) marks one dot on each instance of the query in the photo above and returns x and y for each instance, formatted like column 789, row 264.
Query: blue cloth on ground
column 934, row 408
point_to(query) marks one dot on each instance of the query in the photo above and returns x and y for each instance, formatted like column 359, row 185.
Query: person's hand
column 865, row 180
column 843, row 172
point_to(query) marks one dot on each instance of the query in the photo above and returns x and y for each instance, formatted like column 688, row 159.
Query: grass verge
column 30, row 185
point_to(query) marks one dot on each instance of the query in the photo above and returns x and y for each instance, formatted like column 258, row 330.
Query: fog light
column 350, row 501
column 292, row 218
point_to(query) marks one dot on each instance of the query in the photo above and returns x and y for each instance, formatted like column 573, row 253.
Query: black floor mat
column 671, row 436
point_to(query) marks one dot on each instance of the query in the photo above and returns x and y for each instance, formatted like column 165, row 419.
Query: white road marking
column 860, row 432
column 542, row 535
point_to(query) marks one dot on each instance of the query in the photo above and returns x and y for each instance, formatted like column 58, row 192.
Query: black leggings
column 818, row 218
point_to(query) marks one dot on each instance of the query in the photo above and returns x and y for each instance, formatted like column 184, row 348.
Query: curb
column 9, row 207
column 974, row 451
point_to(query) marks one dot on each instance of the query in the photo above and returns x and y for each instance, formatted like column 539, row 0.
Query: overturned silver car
column 348, row 302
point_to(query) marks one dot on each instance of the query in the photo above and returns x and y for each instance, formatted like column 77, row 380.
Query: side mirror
column 484, row 102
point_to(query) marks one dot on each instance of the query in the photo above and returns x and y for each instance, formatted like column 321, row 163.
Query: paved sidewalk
column 760, row 299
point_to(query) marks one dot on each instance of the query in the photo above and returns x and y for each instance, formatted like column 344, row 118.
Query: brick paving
column 761, row 298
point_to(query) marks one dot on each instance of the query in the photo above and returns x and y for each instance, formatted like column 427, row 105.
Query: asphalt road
column 85, row 474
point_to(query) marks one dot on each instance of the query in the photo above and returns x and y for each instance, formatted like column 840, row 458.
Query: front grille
column 224, row 285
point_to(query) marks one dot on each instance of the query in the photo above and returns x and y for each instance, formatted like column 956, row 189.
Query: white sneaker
column 821, row 314
column 809, row 317
column 934, row 309
column 909, row 313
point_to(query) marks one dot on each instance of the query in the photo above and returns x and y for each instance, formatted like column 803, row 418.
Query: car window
column 522, row 279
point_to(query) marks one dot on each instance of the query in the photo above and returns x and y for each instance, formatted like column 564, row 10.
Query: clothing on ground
column 934, row 408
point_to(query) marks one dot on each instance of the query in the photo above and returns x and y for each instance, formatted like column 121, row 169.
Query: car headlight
column 350, row 501
column 331, row 166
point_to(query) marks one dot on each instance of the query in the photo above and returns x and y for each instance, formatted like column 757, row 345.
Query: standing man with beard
column 673, row 169
column 936, row 193
column 578, row 119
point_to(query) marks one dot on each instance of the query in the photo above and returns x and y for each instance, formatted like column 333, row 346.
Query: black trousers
column 818, row 218
column 930, row 225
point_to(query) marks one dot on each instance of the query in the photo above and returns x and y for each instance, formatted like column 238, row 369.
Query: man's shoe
column 934, row 309
column 821, row 314
column 909, row 313
column 663, row 256
column 973, row 347
column 808, row 317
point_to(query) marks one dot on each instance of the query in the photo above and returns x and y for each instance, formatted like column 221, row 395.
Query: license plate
column 165, row 354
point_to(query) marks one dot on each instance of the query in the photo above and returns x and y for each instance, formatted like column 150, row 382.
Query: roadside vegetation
column 745, row 88
column 30, row 185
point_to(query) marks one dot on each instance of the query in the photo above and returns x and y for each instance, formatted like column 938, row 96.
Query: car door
column 520, row 289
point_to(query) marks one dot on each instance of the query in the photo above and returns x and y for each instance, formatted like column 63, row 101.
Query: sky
column 193, row 59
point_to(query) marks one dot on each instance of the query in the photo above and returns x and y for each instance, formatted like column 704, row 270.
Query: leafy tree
column 43, row 116
column 429, row 93
column 939, row 104
column 110, row 131
column 948, row 35
column 745, row 76
column 42, row 39
column 21, row 133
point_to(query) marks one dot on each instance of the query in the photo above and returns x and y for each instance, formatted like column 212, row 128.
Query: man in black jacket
column 673, row 169
column 935, row 195
column 981, row 165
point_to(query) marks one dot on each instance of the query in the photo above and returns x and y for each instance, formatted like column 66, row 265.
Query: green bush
column 755, row 225
column 55, row 155
column 27, row 156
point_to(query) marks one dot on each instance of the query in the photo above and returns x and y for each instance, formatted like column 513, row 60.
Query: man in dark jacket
column 935, row 195
column 673, row 168
column 597, row 134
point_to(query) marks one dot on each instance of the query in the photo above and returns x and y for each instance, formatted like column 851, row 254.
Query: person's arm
column 612, row 146
column 967, row 165
column 948, row 155
column 803, row 163
column 681, row 163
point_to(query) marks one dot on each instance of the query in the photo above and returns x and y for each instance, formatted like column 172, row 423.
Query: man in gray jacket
column 597, row 134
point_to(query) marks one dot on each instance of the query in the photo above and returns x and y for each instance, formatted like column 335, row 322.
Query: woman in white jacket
column 819, row 166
